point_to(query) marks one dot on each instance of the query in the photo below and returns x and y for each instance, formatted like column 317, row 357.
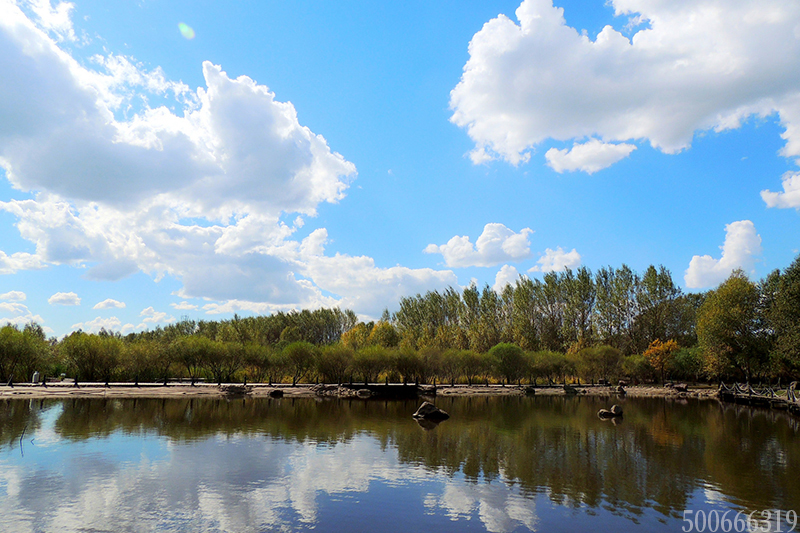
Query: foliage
column 21, row 351
column 783, row 315
column 638, row 368
column 599, row 362
column 660, row 355
column 299, row 359
column 731, row 328
column 369, row 362
column 508, row 362
column 333, row 363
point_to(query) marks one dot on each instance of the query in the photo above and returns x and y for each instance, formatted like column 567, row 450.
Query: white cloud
column 790, row 197
column 55, row 19
column 198, row 194
column 109, row 304
column 742, row 246
column 18, row 314
column 690, row 66
column 14, row 296
column 495, row 245
column 12, row 307
column 507, row 275
column 151, row 316
column 589, row 157
column 64, row 298
column 364, row 287
column 93, row 326
column 557, row 260
column 183, row 306
column 10, row 264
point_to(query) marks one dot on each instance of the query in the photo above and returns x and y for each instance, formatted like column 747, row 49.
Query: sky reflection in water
column 500, row 465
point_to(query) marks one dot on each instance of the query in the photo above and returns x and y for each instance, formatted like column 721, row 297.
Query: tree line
column 573, row 325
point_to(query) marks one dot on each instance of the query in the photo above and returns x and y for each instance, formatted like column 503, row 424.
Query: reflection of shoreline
column 25, row 391
column 664, row 452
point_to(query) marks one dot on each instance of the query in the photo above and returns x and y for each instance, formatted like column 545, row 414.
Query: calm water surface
column 499, row 464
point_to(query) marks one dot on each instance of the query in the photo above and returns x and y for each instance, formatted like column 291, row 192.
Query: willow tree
column 509, row 362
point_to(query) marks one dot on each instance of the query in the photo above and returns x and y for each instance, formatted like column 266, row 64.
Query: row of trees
column 573, row 324
column 106, row 357
column 562, row 312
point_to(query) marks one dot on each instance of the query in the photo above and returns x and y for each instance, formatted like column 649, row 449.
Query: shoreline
column 28, row 391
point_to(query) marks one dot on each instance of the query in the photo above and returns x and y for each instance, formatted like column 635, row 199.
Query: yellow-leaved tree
column 660, row 355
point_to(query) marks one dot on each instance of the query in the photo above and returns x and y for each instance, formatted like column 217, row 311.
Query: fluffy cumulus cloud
column 366, row 287
column 18, row 314
column 93, row 326
column 790, row 197
column 495, row 245
column 151, row 316
column 199, row 194
column 557, row 260
column 13, row 311
column 689, row 65
column 14, row 296
column 507, row 275
column 109, row 303
column 589, row 157
column 741, row 248
column 64, row 298
column 183, row 306
column 10, row 264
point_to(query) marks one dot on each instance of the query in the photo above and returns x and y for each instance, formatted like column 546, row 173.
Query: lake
column 499, row 464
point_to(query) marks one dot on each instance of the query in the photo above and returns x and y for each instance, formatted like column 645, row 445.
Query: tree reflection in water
column 525, row 451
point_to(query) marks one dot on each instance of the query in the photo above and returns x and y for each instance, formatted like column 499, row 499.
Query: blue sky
column 307, row 154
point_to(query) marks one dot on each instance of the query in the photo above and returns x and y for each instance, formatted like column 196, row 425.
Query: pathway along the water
column 763, row 397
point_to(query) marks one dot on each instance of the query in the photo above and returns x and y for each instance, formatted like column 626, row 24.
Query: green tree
column 599, row 362
column 383, row 334
column 450, row 366
column 20, row 351
column 731, row 328
column 370, row 362
column 299, row 358
column 508, row 361
column 472, row 365
column 91, row 357
column 407, row 363
column 783, row 315
column 333, row 363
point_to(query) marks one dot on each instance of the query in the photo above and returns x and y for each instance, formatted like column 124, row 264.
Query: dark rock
column 429, row 411
column 681, row 387
column 530, row 390
column 236, row 390
column 276, row 393
column 364, row 393
column 570, row 390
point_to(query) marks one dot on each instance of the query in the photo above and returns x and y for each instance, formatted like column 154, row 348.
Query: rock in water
column 430, row 412
column 276, row 393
